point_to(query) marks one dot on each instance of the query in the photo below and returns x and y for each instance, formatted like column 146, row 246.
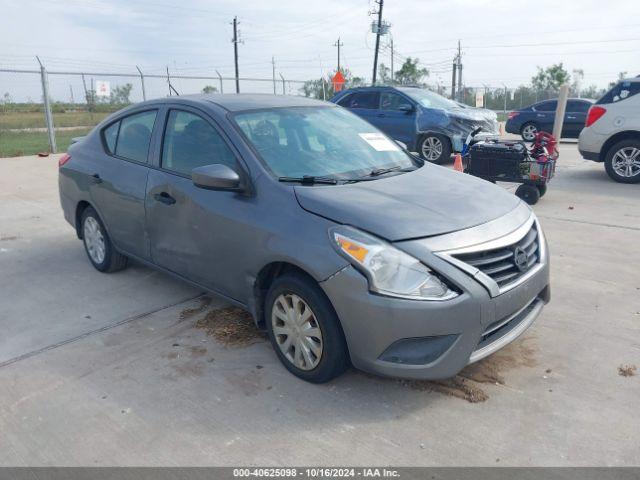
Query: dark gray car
column 344, row 247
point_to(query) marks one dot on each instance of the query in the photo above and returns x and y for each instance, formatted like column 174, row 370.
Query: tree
column 551, row 78
column 209, row 89
column 322, row 88
column 410, row 74
column 120, row 94
column 621, row 76
column 592, row 92
column 385, row 74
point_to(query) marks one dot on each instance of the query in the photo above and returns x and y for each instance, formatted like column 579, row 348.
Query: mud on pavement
column 235, row 327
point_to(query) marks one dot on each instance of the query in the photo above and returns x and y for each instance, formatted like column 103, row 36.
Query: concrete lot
column 102, row 369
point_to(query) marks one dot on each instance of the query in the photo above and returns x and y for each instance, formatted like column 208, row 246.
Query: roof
column 250, row 101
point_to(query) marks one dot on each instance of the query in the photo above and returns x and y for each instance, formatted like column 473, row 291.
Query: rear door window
column 549, row 106
column 363, row 100
column 134, row 136
column 110, row 135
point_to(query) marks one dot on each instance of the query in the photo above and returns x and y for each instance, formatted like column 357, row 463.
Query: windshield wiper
column 309, row 180
column 376, row 173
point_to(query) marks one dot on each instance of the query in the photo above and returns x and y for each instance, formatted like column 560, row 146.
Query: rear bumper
column 471, row 326
column 595, row 156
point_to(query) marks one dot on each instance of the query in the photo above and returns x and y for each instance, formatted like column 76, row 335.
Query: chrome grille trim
column 526, row 234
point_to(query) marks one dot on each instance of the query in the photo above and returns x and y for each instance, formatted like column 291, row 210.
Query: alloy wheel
column 529, row 132
column 431, row 148
column 296, row 331
column 94, row 240
column 626, row 162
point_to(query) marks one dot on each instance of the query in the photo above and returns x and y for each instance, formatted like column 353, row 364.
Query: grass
column 12, row 120
column 15, row 144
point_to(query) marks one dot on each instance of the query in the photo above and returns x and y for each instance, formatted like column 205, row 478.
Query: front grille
column 507, row 264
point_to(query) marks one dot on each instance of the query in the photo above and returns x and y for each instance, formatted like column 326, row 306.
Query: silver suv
column 612, row 132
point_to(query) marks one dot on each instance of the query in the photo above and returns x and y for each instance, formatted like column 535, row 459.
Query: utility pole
column 235, row 51
column 338, row 44
column 71, row 93
column 453, row 80
column 460, row 90
column 378, row 33
column 144, row 92
column 273, row 73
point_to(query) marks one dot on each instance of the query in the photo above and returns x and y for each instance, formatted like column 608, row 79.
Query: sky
column 502, row 41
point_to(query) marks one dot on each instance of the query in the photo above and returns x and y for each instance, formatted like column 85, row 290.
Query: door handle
column 381, row 115
column 96, row 178
column 570, row 117
column 165, row 198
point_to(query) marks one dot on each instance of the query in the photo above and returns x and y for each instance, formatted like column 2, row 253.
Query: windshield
column 429, row 99
column 319, row 142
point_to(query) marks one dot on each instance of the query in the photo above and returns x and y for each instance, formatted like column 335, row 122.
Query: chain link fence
column 42, row 111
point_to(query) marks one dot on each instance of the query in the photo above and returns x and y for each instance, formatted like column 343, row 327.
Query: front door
column 192, row 230
column 396, row 117
column 575, row 118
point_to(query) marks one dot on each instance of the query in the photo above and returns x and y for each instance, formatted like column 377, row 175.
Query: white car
column 612, row 132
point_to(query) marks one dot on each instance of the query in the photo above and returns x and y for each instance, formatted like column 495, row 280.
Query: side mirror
column 215, row 177
column 405, row 107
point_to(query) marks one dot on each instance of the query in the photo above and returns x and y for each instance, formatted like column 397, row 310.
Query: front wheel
column 304, row 329
column 435, row 148
column 622, row 161
column 528, row 193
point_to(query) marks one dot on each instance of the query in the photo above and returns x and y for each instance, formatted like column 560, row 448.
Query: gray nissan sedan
column 345, row 247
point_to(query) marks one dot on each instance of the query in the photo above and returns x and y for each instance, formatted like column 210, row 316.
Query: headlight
column 389, row 271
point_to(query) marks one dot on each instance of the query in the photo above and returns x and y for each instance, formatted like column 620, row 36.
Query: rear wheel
column 435, row 148
column 528, row 193
column 622, row 161
column 98, row 245
column 304, row 329
column 528, row 132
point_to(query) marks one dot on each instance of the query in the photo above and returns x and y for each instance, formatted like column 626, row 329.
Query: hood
column 430, row 201
column 474, row 113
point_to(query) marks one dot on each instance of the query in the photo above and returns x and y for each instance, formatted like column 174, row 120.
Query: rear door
column 575, row 118
column 193, row 232
column 119, row 178
column 363, row 104
column 545, row 113
column 396, row 117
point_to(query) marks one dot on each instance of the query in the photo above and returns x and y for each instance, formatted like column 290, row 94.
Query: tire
column 542, row 189
column 528, row 193
column 98, row 245
column 435, row 148
column 330, row 357
column 528, row 131
column 617, row 158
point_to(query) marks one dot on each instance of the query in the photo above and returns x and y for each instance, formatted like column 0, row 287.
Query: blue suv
column 426, row 122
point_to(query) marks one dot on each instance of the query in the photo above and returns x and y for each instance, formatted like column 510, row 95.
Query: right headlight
column 390, row 271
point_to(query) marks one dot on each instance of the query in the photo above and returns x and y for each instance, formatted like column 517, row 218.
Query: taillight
column 595, row 112
column 513, row 115
column 64, row 159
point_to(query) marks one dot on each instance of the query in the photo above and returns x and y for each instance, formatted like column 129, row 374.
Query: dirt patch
column 627, row 370
column 191, row 312
column 457, row 386
column 231, row 326
column 8, row 238
column 468, row 384
column 249, row 384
